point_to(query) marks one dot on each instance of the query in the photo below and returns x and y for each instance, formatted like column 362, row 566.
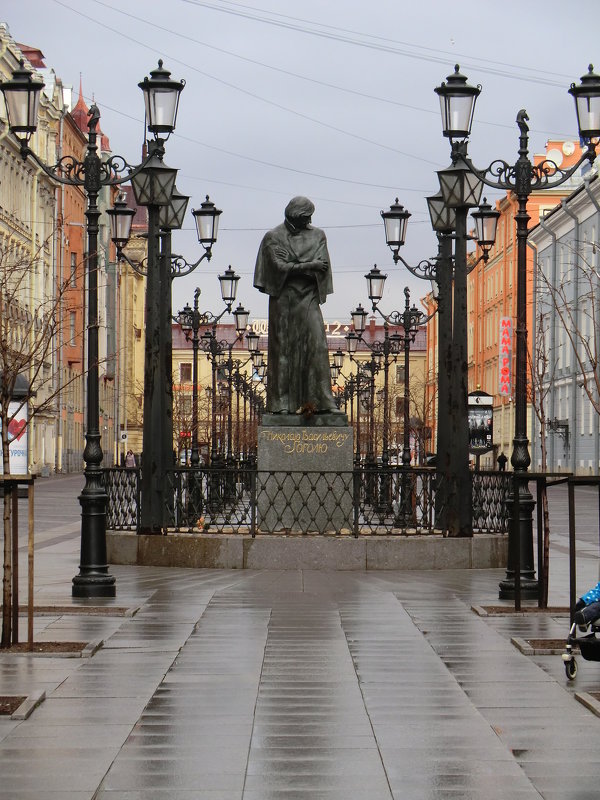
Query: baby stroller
column 586, row 621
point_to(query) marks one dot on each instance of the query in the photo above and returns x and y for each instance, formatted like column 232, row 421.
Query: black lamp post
column 161, row 96
column 457, row 101
column 452, row 344
column 389, row 346
column 409, row 320
column 214, row 349
column 189, row 320
column 158, row 390
column 365, row 396
column 241, row 324
column 359, row 317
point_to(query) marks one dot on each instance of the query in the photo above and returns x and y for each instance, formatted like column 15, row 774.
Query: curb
column 28, row 705
column 87, row 652
column 589, row 702
column 527, row 650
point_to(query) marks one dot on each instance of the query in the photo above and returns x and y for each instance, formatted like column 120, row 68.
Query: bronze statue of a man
column 293, row 268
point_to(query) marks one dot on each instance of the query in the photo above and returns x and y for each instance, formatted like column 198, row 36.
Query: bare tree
column 29, row 319
column 542, row 369
column 572, row 304
column 579, row 315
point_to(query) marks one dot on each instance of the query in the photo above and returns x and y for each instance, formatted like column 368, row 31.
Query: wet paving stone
column 303, row 685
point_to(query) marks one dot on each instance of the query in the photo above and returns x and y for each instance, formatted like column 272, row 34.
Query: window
column 399, row 373
column 185, row 373
column 72, row 328
column 73, row 276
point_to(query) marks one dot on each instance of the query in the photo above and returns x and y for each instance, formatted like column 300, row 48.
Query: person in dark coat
column 502, row 461
column 294, row 269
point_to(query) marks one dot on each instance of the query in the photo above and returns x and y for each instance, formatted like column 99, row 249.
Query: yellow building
column 28, row 245
column 131, row 338
column 236, row 415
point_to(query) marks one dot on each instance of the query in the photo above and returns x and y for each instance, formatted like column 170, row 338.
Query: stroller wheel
column 571, row 669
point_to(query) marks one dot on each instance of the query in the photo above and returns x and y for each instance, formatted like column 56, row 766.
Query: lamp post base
column 94, row 586
column 529, row 588
column 93, row 579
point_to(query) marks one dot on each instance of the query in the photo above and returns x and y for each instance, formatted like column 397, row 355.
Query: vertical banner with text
column 505, row 356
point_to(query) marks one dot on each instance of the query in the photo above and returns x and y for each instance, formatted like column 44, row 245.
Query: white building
column 565, row 339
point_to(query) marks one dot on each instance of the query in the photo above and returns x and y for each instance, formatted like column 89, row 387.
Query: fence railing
column 366, row 501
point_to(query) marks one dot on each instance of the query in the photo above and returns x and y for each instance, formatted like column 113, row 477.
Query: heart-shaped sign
column 16, row 429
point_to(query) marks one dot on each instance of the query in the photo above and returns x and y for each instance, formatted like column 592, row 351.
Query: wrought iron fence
column 366, row 501
column 123, row 489
column 490, row 494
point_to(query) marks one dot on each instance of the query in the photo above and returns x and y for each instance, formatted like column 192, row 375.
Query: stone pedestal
column 304, row 481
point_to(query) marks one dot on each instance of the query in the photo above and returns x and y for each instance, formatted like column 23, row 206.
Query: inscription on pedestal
column 304, row 481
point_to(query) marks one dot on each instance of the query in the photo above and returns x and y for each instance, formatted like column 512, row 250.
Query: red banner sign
column 505, row 359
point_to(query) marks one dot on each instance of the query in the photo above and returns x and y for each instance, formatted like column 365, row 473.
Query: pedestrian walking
column 130, row 459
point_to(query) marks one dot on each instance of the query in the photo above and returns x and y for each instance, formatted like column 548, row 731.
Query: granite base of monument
column 304, row 478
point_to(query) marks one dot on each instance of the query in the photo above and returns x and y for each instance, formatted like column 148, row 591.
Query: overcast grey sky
column 333, row 100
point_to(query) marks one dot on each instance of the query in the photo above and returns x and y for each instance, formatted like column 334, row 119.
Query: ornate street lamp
column 486, row 224
column 252, row 341
column 21, row 95
column 229, row 281
column 161, row 98
column 352, row 340
column 121, row 219
column 460, row 191
column 241, row 319
column 443, row 218
column 207, row 223
column 381, row 352
column 457, row 105
column 395, row 221
column 189, row 320
column 359, row 320
column 375, row 283
column 523, row 177
column 219, row 353
column 172, row 215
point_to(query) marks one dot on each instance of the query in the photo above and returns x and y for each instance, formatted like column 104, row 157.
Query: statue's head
column 299, row 211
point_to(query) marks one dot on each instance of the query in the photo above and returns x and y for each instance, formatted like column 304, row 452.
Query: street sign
column 123, row 436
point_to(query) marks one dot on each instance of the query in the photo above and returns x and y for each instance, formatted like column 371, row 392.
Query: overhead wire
column 254, row 95
column 437, row 58
column 242, row 156
column 315, row 81
column 262, row 99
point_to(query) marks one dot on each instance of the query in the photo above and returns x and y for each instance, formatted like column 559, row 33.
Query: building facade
column 43, row 226
column 565, row 334
column 491, row 297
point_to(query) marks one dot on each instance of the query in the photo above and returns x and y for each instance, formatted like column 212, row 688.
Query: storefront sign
column 333, row 330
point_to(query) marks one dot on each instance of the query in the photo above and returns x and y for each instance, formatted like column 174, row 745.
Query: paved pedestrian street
column 275, row 685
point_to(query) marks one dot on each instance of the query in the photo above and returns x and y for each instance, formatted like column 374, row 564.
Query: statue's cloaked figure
column 293, row 268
